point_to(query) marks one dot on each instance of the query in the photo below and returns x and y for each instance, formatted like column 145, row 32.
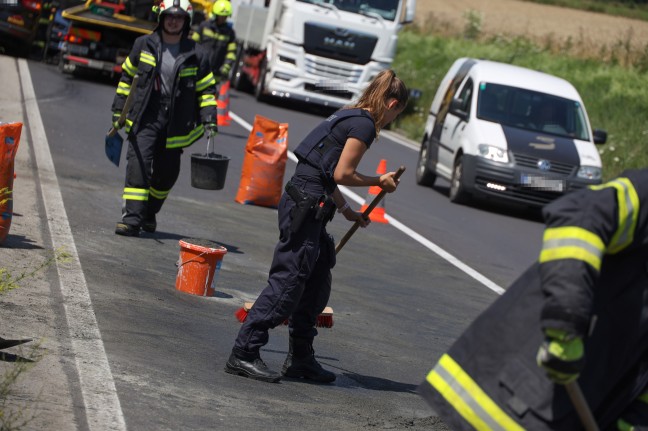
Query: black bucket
column 208, row 171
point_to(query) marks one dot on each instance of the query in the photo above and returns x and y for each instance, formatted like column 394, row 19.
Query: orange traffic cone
column 222, row 105
column 378, row 213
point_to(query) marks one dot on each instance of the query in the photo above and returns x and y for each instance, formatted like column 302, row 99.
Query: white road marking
column 102, row 407
column 398, row 225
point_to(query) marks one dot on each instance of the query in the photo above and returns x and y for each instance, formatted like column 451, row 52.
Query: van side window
column 466, row 96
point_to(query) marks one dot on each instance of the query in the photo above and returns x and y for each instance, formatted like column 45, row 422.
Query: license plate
column 331, row 85
column 542, row 183
column 77, row 49
column 95, row 64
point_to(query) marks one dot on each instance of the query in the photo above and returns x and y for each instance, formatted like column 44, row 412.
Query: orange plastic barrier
column 9, row 140
column 264, row 164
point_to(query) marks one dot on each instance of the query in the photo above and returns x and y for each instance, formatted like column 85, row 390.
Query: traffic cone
column 378, row 213
column 222, row 105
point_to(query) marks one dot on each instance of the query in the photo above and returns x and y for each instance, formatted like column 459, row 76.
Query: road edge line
column 102, row 406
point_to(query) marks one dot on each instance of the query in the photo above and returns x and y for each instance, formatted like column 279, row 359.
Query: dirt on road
column 593, row 33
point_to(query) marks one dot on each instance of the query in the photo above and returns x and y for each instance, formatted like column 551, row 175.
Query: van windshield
column 532, row 110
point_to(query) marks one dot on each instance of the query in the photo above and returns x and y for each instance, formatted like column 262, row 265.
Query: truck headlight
column 589, row 172
column 493, row 153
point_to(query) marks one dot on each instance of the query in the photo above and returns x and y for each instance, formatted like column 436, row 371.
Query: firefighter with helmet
column 173, row 105
column 218, row 36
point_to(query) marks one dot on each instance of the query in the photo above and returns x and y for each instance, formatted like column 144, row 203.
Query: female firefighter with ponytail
column 299, row 282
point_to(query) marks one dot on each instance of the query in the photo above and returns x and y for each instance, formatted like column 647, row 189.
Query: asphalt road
column 123, row 349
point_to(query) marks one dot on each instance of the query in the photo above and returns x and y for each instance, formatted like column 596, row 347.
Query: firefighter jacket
column 591, row 279
column 220, row 42
column 193, row 103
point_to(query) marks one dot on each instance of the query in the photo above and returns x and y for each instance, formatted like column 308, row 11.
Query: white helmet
column 176, row 7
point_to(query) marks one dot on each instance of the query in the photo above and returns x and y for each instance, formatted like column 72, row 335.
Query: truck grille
column 315, row 66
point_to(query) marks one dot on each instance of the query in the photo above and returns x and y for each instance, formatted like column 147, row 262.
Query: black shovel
column 114, row 141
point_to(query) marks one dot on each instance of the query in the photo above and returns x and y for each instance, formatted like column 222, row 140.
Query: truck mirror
column 600, row 136
column 410, row 8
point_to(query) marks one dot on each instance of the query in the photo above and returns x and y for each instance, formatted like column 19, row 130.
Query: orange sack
column 264, row 164
column 9, row 140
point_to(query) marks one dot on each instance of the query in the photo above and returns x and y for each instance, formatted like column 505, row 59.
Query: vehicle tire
column 458, row 194
column 239, row 79
column 424, row 175
column 259, row 90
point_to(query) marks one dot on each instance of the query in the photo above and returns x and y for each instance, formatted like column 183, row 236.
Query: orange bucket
column 198, row 267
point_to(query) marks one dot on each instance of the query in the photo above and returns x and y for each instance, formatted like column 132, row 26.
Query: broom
column 325, row 319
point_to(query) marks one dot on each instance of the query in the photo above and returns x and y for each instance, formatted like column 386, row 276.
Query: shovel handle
column 581, row 407
column 366, row 213
column 127, row 105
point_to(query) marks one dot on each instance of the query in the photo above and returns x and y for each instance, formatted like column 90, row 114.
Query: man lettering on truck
column 174, row 103
column 220, row 40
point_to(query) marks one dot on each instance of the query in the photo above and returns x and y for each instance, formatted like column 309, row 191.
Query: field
column 595, row 34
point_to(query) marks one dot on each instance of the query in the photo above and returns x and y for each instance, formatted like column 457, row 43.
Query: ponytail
column 385, row 86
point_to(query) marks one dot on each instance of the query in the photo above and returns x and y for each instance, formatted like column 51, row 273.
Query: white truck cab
column 501, row 131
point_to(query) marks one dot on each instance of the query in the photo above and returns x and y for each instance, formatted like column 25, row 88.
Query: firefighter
column 579, row 312
column 219, row 38
column 299, row 282
column 174, row 103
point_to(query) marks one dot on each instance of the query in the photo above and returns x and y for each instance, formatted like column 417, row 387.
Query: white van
column 501, row 131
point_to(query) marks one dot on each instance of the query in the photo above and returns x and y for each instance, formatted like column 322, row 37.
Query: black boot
column 252, row 367
column 301, row 362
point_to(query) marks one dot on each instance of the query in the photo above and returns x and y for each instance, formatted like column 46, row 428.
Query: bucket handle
column 210, row 142
column 179, row 264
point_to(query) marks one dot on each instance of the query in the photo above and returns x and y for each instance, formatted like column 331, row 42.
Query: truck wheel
column 458, row 194
column 259, row 90
column 424, row 175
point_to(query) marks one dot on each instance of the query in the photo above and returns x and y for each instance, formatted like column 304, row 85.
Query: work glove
column 225, row 70
column 561, row 355
column 115, row 120
column 211, row 128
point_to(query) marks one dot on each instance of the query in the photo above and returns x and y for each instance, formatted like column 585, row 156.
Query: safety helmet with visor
column 177, row 8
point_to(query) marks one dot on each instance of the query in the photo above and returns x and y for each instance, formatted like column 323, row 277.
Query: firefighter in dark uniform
column 299, row 282
column 174, row 103
column 580, row 312
column 218, row 36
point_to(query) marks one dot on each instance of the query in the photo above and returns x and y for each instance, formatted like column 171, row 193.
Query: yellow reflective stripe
column 208, row 33
column 129, row 124
column 189, row 71
column 570, row 242
column 205, row 82
column 207, row 100
column 195, row 37
column 123, row 88
column 231, row 46
column 159, row 194
column 128, row 67
column 186, row 140
column 230, row 56
column 133, row 194
column 628, row 203
column 148, row 58
column 467, row 398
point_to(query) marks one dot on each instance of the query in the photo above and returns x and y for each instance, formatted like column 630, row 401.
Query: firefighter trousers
column 299, row 281
column 151, row 169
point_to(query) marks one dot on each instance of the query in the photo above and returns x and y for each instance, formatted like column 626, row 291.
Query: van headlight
column 493, row 153
column 589, row 172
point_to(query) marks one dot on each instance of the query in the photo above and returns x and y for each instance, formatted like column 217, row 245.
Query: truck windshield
column 385, row 8
column 532, row 110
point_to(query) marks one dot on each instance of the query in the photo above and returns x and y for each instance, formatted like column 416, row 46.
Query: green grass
column 615, row 96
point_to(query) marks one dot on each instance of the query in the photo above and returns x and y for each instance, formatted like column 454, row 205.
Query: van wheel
column 458, row 194
column 424, row 176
